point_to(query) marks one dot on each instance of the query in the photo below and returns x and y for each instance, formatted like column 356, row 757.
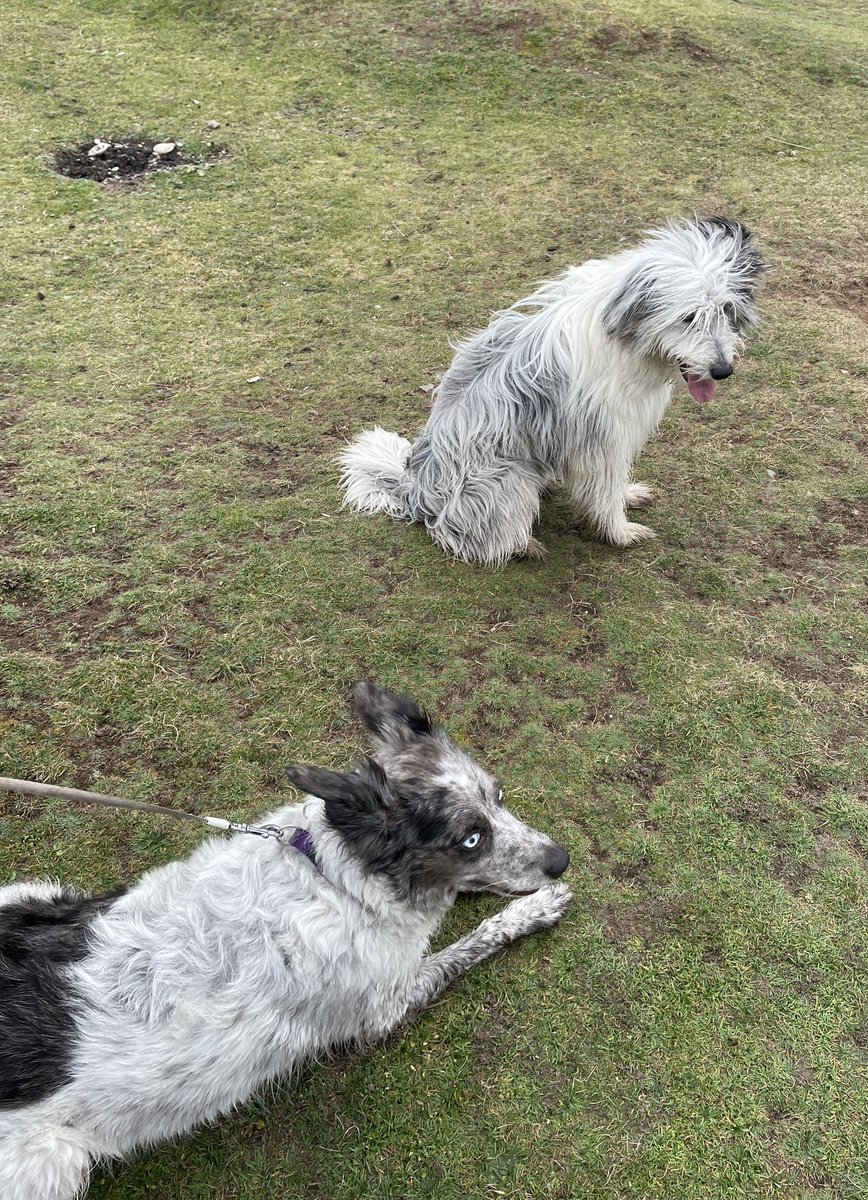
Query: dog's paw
column 630, row 534
column 541, row 910
column 637, row 495
column 534, row 550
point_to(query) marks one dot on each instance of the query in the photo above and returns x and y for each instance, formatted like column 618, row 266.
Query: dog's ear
column 315, row 781
column 359, row 804
column 748, row 260
column 631, row 306
column 725, row 225
column 391, row 717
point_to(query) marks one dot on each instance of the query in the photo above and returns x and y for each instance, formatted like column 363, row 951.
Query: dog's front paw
column 637, row 495
column 630, row 534
column 541, row 910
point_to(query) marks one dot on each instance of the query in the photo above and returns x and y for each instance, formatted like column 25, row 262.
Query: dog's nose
column 720, row 370
column 556, row 861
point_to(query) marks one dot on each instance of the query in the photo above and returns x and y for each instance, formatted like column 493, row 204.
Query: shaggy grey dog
column 566, row 387
column 135, row 1017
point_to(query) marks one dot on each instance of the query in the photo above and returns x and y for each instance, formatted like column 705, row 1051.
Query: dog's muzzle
column 556, row 862
column 701, row 389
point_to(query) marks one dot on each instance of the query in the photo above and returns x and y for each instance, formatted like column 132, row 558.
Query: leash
column 25, row 787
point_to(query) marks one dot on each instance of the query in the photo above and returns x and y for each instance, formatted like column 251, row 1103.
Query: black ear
column 630, row 307
column 359, row 805
column 366, row 787
column 390, row 716
column 726, row 225
column 748, row 259
column 315, row 781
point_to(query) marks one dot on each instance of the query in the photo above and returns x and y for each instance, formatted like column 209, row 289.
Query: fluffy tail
column 42, row 1159
column 372, row 467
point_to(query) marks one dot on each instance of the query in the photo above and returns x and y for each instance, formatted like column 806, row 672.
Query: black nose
column 556, row 861
column 720, row 371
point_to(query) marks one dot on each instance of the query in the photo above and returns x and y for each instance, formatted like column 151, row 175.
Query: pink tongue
column 702, row 390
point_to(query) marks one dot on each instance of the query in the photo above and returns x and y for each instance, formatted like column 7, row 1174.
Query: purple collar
column 303, row 843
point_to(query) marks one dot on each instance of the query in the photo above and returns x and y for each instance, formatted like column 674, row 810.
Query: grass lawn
column 183, row 606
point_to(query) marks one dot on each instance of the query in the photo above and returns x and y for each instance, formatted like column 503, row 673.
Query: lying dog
column 566, row 387
column 131, row 1018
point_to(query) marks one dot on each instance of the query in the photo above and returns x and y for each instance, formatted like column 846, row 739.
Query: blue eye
column 470, row 843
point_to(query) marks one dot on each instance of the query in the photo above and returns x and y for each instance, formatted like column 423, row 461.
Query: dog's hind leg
column 489, row 516
column 530, row 914
column 41, row 1157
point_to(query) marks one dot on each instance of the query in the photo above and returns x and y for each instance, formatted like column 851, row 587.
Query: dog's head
column 687, row 298
column 424, row 815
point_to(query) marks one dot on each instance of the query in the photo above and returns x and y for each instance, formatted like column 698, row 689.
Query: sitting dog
column 566, row 387
column 130, row 1018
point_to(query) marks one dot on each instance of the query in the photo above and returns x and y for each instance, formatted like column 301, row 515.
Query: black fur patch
column 410, row 837
column 749, row 258
column 39, row 939
column 631, row 307
column 731, row 228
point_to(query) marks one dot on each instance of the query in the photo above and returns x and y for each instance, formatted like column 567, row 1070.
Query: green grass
column 184, row 606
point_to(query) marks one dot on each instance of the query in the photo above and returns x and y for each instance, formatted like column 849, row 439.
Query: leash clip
column 263, row 831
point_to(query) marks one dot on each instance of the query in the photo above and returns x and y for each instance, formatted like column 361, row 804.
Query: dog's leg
column 489, row 519
column 530, row 914
column 601, row 491
column 637, row 495
column 42, row 1157
column 535, row 551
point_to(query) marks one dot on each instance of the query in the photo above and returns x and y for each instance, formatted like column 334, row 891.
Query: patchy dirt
column 63, row 636
column 496, row 23
column 834, row 277
column 123, row 160
column 841, row 521
column 632, row 42
column 275, row 469
column 603, row 705
column 645, row 773
column 648, row 920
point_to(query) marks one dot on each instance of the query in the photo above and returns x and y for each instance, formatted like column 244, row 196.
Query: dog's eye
column 690, row 318
column 470, row 843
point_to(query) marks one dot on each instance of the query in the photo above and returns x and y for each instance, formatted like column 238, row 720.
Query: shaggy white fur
column 566, row 386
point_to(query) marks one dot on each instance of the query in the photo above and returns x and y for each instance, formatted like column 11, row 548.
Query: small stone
column 40, row 295
column 254, row 379
column 162, row 148
column 212, row 124
column 771, row 474
column 98, row 148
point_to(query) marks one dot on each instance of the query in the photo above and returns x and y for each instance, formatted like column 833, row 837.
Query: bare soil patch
column 123, row 160
column 833, row 276
column 841, row 521
column 632, row 42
